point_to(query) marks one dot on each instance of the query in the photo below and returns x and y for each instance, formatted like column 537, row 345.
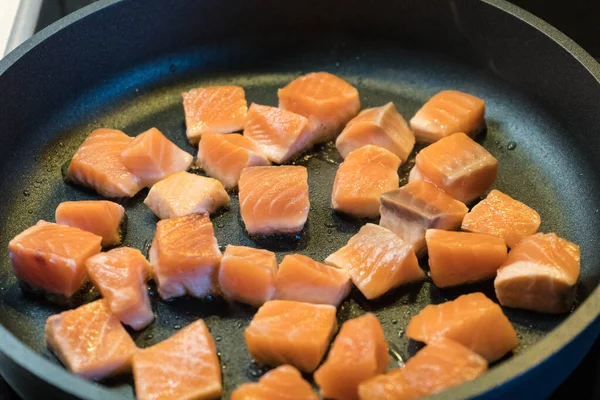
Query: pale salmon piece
column 185, row 256
column 501, row 215
column 97, row 164
column 185, row 366
column 274, row 199
column 51, row 257
column 359, row 352
column 377, row 260
column 458, row 165
column 281, row 135
column 224, row 156
column 327, row 101
column 184, row 193
column 291, row 332
column 472, row 320
column 416, row 207
column 120, row 275
column 282, row 383
column 448, row 112
column 248, row 275
column 540, row 274
column 301, row 278
column 100, row 217
column 220, row 109
column 90, row 341
column 362, row 178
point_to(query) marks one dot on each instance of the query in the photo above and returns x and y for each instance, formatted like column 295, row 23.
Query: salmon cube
column 100, row 217
column 185, row 366
column 90, row 341
column 291, row 332
column 284, row 382
column 362, row 178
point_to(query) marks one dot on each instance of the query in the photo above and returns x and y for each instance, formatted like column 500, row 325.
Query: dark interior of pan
column 123, row 64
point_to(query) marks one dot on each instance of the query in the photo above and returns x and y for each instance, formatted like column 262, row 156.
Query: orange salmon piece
column 540, row 274
column 224, row 156
column 472, row 320
column 282, row 383
column 248, row 275
column 301, row 278
column 220, row 109
column 274, row 199
column 291, row 332
column 185, row 366
column 501, row 215
column 448, row 112
column 100, row 217
column 359, row 352
column 120, row 275
column 90, row 341
column 362, row 178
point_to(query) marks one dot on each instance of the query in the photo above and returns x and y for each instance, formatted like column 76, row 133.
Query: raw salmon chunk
column 274, row 199
column 446, row 113
column 472, row 319
column 97, row 164
column 359, row 352
column 220, row 109
column 327, row 101
column 248, row 275
column 282, row 383
column 456, row 258
column 183, row 193
column 224, row 156
column 120, row 275
column 152, row 157
column 290, row 332
column 377, row 260
column 185, row 366
column 362, row 178
column 301, row 278
column 540, row 274
column 51, row 257
column 457, row 165
column 185, row 256
column 501, row 215
column 100, row 217
column 90, row 341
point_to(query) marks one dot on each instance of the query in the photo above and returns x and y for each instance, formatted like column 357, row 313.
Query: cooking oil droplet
column 26, row 193
column 60, row 144
column 177, row 317
column 511, row 145
column 218, row 338
column 177, row 327
column 31, row 211
column 219, row 354
column 400, row 332
column 219, row 225
column 254, row 373
column 238, row 324
column 330, row 224
column 151, row 336
column 394, row 321
column 224, row 366
column 330, row 231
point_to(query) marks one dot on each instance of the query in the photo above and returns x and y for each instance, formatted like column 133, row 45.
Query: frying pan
column 123, row 64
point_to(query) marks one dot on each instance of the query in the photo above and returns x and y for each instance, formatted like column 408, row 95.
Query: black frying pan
column 123, row 64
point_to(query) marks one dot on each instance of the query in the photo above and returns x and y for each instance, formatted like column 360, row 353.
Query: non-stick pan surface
column 123, row 64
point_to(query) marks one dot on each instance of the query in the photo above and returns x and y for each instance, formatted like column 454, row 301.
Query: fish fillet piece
column 540, row 274
column 100, row 217
column 185, row 256
column 416, row 207
column 90, row 341
column 359, row 352
column 220, row 109
column 282, row 383
column 152, row 157
column 501, row 215
column 435, row 368
column 224, row 156
column 183, row 193
column 448, row 112
column 51, row 257
column 97, row 164
column 301, row 278
column 281, row 135
column 472, row 320
column 457, row 165
column 248, row 275
column 184, row 366
column 120, row 275
column 377, row 260
column 326, row 100
column 362, row 178
column 274, row 199
column 291, row 332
